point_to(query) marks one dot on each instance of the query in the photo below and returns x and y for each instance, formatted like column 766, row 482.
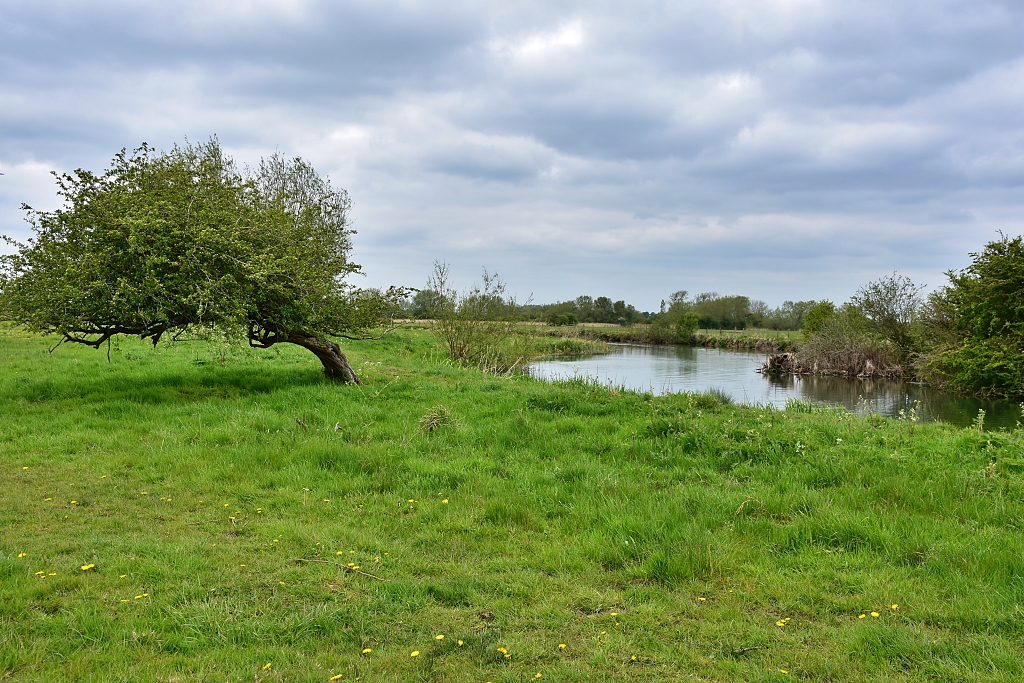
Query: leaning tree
column 164, row 244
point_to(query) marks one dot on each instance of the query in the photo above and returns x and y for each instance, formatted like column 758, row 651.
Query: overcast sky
column 786, row 149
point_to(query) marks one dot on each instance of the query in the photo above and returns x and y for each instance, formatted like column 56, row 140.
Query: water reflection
column 669, row 369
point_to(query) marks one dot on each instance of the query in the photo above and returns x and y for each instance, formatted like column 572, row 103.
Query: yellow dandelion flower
column 874, row 614
column 281, row 583
column 335, row 678
column 126, row 600
column 21, row 554
column 414, row 653
column 561, row 646
column 24, row 468
column 214, row 545
column 350, row 564
column 87, row 567
column 603, row 632
column 225, row 504
column 460, row 643
column 200, row 501
column 615, row 614
column 259, row 511
column 122, row 576
column 74, row 502
column 40, row 573
column 103, row 476
column 537, row 675
column 355, row 568
column 861, row 616
column 139, row 597
column 266, row 666
column 633, row 658
column 411, row 500
column 376, row 559
column 52, row 574
column 780, row 623
column 616, row 623
column 895, row 607
column 144, row 493
column 508, row 656
column 784, row 671
column 703, row 599
column 327, row 500
column 340, row 552
column 274, row 541
column 439, row 636
column 367, row 650
column 445, row 501
column 241, row 565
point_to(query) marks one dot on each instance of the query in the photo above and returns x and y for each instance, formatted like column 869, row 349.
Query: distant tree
column 165, row 244
column 817, row 316
column 424, row 303
column 891, row 304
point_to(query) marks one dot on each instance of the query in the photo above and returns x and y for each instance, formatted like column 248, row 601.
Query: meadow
column 212, row 513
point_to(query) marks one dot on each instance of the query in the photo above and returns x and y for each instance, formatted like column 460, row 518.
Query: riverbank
column 764, row 341
column 201, row 512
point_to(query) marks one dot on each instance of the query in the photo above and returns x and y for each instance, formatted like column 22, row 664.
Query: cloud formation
column 784, row 149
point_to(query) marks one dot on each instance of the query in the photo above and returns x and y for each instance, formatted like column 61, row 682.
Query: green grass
column 676, row 530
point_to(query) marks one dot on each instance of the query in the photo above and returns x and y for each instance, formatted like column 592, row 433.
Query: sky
column 779, row 149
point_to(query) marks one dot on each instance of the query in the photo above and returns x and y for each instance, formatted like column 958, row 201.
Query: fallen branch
column 339, row 564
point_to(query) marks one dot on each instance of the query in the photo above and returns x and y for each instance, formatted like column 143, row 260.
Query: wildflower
column 355, row 568
column 412, row 500
column 266, row 666
column 376, row 559
column 861, row 616
column 327, row 500
column 874, row 614
column 414, row 653
column 502, row 650
column 214, row 545
column 703, row 599
column 460, row 643
column 780, row 624
column 139, row 597
column 350, row 564
column 340, row 552
column 52, row 574
column 74, row 502
column 24, row 468
column 144, row 494
column 274, row 541
column 122, row 576
column 561, row 646
column 40, row 573
column 537, row 675
column 21, row 554
column 281, row 582
column 367, row 650
column 615, row 614
column 335, row 678
column 439, row 636
column 633, row 658
column 895, row 607
column 445, row 501
column 225, row 504
column 49, row 499
column 259, row 511
column 125, row 600
column 87, row 567
column 783, row 671
column 103, row 477
column 616, row 623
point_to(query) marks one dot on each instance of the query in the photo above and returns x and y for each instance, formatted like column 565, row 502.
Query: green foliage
column 478, row 327
column 891, row 306
column 976, row 325
column 182, row 242
column 817, row 316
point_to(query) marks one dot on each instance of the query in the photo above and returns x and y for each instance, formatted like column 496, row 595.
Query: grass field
column 204, row 513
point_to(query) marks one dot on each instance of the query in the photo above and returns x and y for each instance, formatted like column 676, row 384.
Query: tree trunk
column 336, row 366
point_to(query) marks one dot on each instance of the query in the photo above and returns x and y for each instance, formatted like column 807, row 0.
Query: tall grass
column 700, row 537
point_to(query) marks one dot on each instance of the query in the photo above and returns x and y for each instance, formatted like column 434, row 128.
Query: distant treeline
column 710, row 311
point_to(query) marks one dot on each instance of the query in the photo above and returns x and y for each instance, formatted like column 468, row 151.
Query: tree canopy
column 167, row 243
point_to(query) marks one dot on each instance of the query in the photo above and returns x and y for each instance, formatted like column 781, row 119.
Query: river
column 673, row 369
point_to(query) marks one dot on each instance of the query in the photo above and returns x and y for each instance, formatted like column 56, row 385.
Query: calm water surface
column 672, row 369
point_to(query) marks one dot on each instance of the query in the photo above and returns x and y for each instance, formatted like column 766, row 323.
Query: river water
column 672, row 369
